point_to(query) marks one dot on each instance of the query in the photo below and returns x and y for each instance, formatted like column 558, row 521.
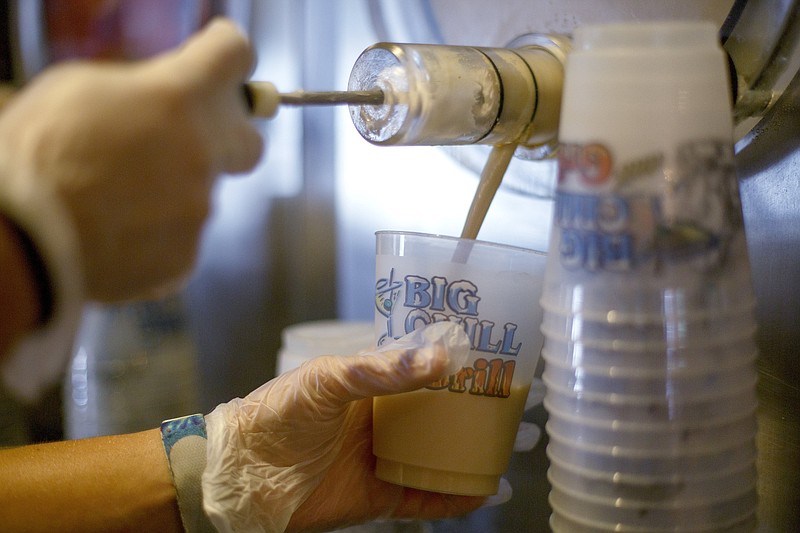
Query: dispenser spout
column 455, row 95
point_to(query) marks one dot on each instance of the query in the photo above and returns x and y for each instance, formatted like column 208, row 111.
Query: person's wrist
column 185, row 444
column 38, row 284
column 50, row 243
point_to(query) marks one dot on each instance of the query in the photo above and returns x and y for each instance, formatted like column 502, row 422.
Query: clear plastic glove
column 131, row 150
column 298, row 450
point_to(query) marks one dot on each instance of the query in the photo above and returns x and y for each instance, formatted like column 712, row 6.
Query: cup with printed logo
column 648, row 299
column 456, row 435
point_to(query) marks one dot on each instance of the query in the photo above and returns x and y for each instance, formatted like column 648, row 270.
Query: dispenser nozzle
column 455, row 95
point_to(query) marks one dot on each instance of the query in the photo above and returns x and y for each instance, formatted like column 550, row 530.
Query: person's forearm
column 119, row 483
column 20, row 307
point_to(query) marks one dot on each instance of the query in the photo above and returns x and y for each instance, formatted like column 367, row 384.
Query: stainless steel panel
column 769, row 168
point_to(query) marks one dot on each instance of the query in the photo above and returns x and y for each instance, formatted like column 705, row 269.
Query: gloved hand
column 298, row 450
column 130, row 151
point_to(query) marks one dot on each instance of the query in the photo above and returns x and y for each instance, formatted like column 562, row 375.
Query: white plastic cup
column 564, row 524
column 691, row 488
column 648, row 408
column 635, row 302
column 303, row 341
column 673, row 436
column 628, row 357
column 456, row 435
column 647, row 220
column 648, row 300
column 654, row 516
column 666, row 383
column 707, row 330
column 619, row 460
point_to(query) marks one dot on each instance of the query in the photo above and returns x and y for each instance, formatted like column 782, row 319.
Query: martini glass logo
column 387, row 292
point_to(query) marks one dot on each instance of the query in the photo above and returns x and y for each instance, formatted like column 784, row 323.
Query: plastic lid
column 307, row 340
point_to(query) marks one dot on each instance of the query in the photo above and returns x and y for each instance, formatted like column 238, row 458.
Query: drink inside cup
column 411, row 439
column 457, row 434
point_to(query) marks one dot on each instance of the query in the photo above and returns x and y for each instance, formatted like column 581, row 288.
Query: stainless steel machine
column 294, row 241
column 762, row 39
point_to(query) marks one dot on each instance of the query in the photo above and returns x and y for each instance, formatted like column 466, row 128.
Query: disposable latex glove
column 298, row 450
column 130, row 151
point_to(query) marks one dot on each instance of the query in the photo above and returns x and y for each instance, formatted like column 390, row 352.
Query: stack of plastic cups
column 649, row 311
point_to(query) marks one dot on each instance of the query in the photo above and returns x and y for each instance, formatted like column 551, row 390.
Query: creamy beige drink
column 491, row 177
column 457, row 434
column 444, row 441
